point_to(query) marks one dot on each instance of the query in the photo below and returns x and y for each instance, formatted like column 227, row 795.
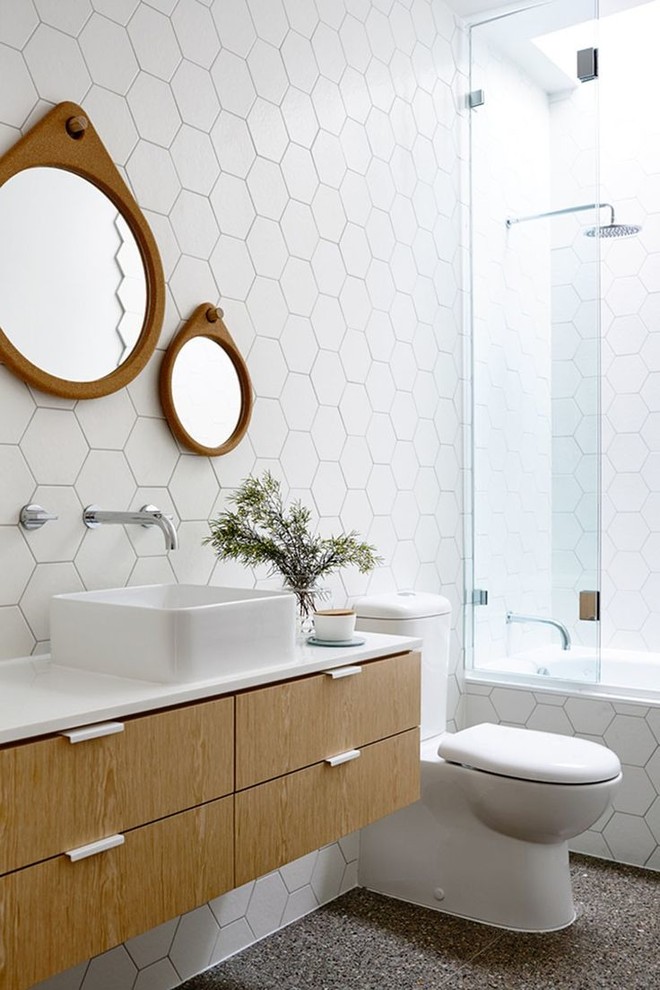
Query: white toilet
column 488, row 839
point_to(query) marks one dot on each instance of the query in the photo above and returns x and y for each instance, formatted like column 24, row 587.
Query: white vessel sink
column 172, row 632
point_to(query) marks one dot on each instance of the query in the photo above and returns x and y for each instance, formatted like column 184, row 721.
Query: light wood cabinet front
column 166, row 784
column 57, row 913
column 283, row 819
column 297, row 723
column 55, row 795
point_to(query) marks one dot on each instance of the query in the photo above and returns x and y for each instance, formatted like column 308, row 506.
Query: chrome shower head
column 611, row 229
column 614, row 230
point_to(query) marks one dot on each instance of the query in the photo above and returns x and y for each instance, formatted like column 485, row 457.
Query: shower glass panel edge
column 533, row 450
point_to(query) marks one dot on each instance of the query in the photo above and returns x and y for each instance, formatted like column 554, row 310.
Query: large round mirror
column 73, row 290
column 205, row 386
column 81, row 283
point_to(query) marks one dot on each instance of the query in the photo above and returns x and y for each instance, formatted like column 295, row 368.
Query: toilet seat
column 530, row 755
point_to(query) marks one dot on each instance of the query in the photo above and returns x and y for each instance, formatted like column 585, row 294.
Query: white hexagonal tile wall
column 19, row 22
column 631, row 739
column 107, row 49
column 629, row 838
column 267, row 70
column 195, row 95
column 54, row 447
column 106, row 558
column 193, row 563
column 328, row 267
column 151, row 452
column 194, row 224
column 16, row 638
column 46, row 580
column 267, row 129
column 299, row 459
column 154, row 41
column 14, row 579
column 58, row 542
column 113, row 120
column 267, row 306
column 232, row 262
column 328, row 433
column 195, row 31
column 153, row 177
column 194, row 940
column 56, row 65
column 636, row 793
column 266, row 904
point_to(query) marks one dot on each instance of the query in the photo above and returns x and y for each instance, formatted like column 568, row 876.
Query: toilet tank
column 427, row 616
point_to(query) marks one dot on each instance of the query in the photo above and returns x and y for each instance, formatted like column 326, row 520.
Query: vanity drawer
column 56, row 795
column 285, row 818
column 57, row 913
column 297, row 723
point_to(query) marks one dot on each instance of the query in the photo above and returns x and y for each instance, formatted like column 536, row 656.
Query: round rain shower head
column 613, row 230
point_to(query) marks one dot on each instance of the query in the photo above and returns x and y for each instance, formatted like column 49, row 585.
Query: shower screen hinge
column 587, row 64
column 479, row 596
column 590, row 606
column 476, row 99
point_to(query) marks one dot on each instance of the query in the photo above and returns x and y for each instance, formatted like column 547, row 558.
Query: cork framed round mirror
column 205, row 387
column 82, row 291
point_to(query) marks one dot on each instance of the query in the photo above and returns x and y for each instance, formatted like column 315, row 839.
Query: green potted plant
column 261, row 530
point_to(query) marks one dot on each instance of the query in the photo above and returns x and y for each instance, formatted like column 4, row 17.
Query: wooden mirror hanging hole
column 76, row 126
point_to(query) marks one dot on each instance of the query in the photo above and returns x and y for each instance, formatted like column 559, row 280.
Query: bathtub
column 624, row 673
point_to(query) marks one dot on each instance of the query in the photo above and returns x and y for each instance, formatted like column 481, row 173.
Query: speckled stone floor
column 363, row 941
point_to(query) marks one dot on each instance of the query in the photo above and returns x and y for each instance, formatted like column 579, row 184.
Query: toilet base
column 467, row 917
column 437, row 854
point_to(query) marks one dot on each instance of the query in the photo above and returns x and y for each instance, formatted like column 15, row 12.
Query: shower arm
column 557, row 213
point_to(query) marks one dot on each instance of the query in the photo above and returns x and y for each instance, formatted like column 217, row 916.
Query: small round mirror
column 206, row 391
column 205, row 386
column 73, row 290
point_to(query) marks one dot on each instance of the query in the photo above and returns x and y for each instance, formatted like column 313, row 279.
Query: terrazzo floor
column 363, row 941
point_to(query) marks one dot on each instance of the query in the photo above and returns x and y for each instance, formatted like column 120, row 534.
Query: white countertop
column 39, row 697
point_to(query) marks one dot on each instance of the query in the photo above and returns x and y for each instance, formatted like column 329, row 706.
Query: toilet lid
column 530, row 755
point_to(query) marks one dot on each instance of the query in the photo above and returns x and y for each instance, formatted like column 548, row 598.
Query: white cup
column 334, row 625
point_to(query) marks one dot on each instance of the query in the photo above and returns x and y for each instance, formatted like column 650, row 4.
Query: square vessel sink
column 173, row 632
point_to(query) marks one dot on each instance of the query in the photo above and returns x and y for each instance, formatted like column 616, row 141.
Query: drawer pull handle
column 336, row 761
column 101, row 845
column 93, row 731
column 343, row 672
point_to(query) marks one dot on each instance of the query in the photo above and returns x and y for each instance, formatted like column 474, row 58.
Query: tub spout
column 543, row 620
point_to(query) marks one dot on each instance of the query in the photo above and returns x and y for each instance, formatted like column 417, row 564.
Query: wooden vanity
column 189, row 802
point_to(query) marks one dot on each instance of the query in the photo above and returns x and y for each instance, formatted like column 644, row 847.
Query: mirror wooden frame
column 206, row 321
column 66, row 139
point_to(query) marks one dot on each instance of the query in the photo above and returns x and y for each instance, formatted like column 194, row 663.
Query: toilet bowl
column 535, row 786
column 488, row 839
column 485, row 845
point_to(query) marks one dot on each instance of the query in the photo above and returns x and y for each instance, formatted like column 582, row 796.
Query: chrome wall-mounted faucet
column 559, row 626
column 147, row 516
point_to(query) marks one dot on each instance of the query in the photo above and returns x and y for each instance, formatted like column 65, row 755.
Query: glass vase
column 308, row 600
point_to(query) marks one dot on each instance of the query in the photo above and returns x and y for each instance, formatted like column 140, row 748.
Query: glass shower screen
column 535, row 343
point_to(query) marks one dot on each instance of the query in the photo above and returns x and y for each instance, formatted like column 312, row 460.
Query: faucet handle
column 164, row 521
column 154, row 510
column 34, row 516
